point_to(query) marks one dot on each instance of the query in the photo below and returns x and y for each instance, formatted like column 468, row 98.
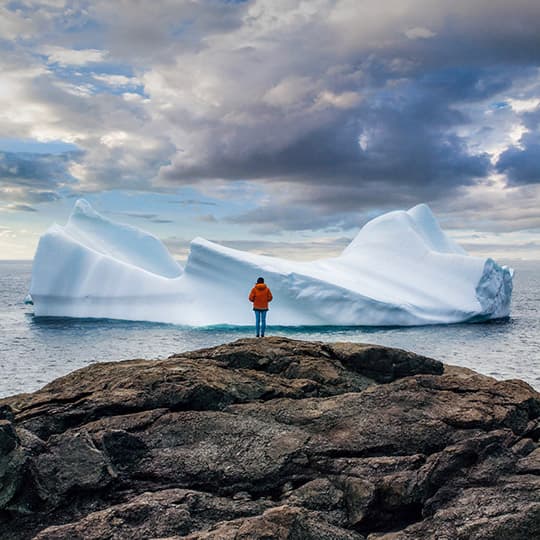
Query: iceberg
column 400, row 270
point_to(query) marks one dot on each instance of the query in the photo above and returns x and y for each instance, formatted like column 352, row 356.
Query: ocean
column 34, row 351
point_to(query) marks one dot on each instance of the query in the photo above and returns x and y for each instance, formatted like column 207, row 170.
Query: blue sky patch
column 33, row 146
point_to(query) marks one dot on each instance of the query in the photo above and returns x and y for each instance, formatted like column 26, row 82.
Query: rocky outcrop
column 272, row 438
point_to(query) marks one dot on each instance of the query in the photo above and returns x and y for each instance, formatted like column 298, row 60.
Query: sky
column 275, row 126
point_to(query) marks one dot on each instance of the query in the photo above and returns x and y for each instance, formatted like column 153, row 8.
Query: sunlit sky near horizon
column 275, row 126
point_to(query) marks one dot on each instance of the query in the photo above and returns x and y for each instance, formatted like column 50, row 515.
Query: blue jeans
column 260, row 321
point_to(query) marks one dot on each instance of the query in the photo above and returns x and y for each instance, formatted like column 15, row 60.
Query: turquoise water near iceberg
column 34, row 351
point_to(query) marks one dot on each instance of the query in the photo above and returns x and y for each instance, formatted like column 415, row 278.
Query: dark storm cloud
column 521, row 163
column 28, row 178
column 399, row 144
column 401, row 149
column 34, row 170
column 407, row 139
column 409, row 155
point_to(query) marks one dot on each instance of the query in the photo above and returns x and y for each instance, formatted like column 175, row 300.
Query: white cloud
column 74, row 57
column 13, row 25
column 116, row 81
column 18, row 109
column 80, row 90
column 132, row 97
column 345, row 100
column 419, row 33
column 114, row 139
column 289, row 92
column 524, row 105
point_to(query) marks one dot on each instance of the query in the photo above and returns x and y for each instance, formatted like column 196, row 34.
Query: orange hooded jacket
column 260, row 295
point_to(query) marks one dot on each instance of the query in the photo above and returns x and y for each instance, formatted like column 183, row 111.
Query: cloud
column 391, row 117
column 290, row 91
column 116, row 80
column 320, row 113
column 524, row 105
column 153, row 218
column 19, row 208
column 275, row 218
column 193, row 202
column 309, row 249
column 74, row 57
column 138, row 215
column 207, row 218
column 118, row 147
column 345, row 100
column 419, row 33
column 509, row 247
column 27, row 178
column 162, row 221
column 520, row 162
column 490, row 209
column 39, row 170
column 148, row 32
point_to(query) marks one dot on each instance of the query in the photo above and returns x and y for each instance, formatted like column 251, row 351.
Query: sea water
column 34, row 351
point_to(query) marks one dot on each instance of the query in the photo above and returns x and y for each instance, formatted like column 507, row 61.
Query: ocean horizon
column 36, row 350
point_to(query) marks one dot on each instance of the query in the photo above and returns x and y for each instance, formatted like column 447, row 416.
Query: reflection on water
column 35, row 350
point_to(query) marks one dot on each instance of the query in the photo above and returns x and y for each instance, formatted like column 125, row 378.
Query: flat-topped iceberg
column 401, row 269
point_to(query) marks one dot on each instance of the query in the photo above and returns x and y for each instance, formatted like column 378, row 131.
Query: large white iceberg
column 401, row 269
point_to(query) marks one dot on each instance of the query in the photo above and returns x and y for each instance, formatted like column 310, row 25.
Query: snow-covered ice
column 401, row 269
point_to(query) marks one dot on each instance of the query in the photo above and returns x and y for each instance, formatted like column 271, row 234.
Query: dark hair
column 260, row 280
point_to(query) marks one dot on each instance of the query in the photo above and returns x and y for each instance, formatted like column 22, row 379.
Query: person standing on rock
column 260, row 295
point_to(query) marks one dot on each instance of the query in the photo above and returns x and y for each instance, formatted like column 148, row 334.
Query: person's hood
column 260, row 286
